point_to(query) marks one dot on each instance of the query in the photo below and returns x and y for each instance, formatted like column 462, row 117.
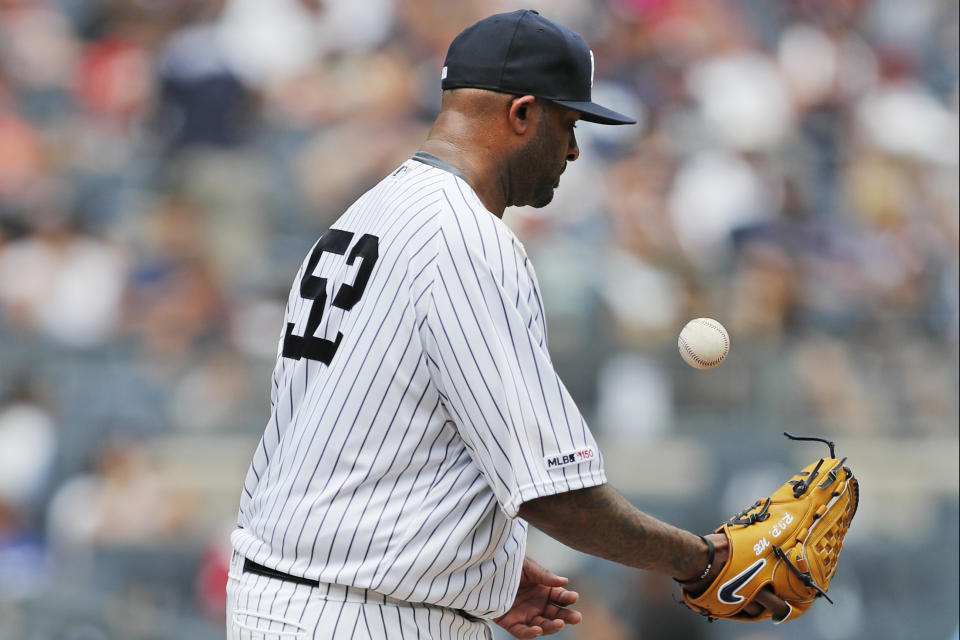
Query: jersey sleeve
column 486, row 349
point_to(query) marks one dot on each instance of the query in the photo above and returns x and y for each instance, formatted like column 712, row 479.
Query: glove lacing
column 746, row 518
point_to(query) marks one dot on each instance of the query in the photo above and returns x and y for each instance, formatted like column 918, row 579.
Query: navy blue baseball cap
column 523, row 53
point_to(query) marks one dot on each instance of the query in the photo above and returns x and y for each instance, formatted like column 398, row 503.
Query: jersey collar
column 434, row 161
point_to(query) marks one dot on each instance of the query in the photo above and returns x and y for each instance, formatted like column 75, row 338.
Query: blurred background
column 165, row 165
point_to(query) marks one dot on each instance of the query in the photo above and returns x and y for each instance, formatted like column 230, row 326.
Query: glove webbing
column 804, row 577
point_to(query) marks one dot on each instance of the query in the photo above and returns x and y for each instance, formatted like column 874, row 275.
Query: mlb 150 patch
column 566, row 459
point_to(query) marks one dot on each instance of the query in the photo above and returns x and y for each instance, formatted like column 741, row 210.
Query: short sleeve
column 488, row 358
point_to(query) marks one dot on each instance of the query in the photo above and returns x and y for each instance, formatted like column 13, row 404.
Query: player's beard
column 534, row 169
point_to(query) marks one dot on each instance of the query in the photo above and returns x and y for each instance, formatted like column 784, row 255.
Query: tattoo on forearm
column 601, row 522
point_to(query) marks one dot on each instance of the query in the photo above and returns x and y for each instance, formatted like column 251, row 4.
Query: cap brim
column 592, row 112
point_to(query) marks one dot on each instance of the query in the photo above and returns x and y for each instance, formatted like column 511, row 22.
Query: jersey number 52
column 315, row 288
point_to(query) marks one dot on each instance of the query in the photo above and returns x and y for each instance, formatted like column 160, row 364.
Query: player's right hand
column 540, row 607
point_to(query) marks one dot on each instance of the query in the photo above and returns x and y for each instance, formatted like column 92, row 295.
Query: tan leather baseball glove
column 789, row 540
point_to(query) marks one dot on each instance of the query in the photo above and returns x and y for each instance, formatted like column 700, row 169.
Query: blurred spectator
column 175, row 307
column 39, row 55
column 714, row 194
column 113, row 78
column 62, row 283
column 21, row 155
column 28, row 442
column 743, row 100
column 213, row 396
column 125, row 500
column 211, row 578
column 908, row 121
column 201, row 101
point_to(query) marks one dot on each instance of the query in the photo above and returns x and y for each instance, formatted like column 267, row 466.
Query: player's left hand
column 540, row 608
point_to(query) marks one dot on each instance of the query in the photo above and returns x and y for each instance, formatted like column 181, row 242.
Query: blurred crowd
column 165, row 165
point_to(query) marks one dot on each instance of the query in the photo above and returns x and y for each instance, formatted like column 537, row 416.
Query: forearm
column 601, row 522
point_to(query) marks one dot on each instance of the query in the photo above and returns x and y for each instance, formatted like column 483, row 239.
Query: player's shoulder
column 411, row 185
column 461, row 225
column 404, row 203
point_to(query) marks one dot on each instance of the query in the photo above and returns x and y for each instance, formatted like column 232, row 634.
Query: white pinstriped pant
column 263, row 608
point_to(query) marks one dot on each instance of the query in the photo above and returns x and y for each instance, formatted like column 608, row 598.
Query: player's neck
column 460, row 156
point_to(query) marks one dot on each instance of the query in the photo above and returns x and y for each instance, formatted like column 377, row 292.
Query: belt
column 249, row 566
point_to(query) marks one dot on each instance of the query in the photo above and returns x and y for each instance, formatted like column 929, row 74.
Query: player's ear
column 521, row 113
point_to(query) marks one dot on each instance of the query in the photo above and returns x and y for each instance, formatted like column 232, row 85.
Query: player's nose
column 573, row 152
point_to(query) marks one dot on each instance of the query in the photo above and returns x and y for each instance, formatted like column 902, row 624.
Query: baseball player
column 417, row 424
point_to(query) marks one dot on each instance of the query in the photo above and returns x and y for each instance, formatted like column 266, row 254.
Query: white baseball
column 703, row 343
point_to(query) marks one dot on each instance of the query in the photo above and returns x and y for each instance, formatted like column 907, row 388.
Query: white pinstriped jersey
column 414, row 404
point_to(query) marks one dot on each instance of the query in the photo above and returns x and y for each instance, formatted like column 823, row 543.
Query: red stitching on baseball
column 723, row 334
column 693, row 355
